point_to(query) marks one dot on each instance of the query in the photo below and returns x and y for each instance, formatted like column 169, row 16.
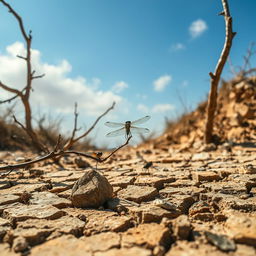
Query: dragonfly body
column 128, row 127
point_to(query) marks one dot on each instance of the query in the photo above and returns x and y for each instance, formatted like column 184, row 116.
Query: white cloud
column 56, row 91
column 119, row 86
column 142, row 108
column 162, row 82
column 197, row 28
column 160, row 108
column 177, row 47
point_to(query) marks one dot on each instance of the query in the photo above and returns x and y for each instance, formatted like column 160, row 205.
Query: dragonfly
column 128, row 127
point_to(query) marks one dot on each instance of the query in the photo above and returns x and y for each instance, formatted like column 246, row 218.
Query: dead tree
column 24, row 94
column 215, row 78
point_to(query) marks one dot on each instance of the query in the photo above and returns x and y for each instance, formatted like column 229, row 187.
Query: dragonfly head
column 128, row 123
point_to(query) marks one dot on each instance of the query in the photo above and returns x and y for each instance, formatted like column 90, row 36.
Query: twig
column 31, row 136
column 9, row 100
column 212, row 99
column 73, row 140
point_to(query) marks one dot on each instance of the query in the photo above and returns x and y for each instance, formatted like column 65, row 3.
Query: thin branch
column 21, row 57
column 9, row 100
column 212, row 99
column 73, row 140
column 32, row 135
column 19, row 123
column 56, row 153
column 12, row 98
column 39, row 76
column 75, row 123
column 9, row 89
column 18, row 18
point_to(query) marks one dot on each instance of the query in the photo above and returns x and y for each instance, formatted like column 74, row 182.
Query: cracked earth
column 183, row 203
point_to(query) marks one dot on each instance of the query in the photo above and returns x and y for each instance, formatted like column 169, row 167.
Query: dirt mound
column 235, row 119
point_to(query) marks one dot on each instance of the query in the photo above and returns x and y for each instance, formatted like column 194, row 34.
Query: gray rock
column 91, row 190
column 221, row 242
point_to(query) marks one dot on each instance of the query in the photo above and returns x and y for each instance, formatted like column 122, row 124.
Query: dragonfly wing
column 116, row 132
column 135, row 129
column 113, row 124
column 141, row 120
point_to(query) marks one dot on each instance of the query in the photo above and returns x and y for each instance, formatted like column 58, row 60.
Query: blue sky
column 146, row 54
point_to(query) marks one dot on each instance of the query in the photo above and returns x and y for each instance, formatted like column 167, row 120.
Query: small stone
column 165, row 204
column 91, row 190
column 138, row 193
column 220, row 241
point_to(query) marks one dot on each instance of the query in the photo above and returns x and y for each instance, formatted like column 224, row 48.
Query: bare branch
column 57, row 153
column 73, row 140
column 9, row 89
column 32, row 136
column 21, row 57
column 212, row 99
column 95, row 123
column 112, row 153
column 19, row 123
column 9, row 100
column 18, row 18
column 75, row 123
column 39, row 76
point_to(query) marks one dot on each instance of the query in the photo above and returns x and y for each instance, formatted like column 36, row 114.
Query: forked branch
column 73, row 139
column 60, row 152
column 215, row 77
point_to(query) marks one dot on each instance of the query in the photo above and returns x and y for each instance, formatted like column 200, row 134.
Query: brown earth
column 171, row 196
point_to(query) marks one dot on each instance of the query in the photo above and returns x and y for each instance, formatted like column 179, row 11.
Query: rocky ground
column 166, row 202
column 171, row 196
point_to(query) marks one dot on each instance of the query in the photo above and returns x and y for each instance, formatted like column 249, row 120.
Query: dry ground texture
column 171, row 196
